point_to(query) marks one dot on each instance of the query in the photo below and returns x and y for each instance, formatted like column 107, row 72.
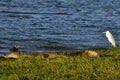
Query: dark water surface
column 57, row 25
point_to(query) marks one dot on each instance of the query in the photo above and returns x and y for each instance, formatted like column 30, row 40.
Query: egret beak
column 104, row 32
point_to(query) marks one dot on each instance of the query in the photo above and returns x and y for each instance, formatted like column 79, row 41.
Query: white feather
column 110, row 38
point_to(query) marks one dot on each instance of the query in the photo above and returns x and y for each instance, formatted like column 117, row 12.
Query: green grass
column 61, row 67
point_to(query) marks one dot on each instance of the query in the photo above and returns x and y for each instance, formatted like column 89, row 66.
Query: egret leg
column 110, row 46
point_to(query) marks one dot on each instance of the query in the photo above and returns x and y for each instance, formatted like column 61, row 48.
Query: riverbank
column 64, row 67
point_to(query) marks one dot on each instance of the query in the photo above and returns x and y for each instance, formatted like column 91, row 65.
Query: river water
column 57, row 25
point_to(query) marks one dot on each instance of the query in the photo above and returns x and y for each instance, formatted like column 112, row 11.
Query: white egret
column 110, row 38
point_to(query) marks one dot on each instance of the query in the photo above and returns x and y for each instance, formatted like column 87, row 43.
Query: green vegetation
column 63, row 67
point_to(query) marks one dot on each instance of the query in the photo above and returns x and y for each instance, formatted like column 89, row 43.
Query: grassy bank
column 63, row 67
